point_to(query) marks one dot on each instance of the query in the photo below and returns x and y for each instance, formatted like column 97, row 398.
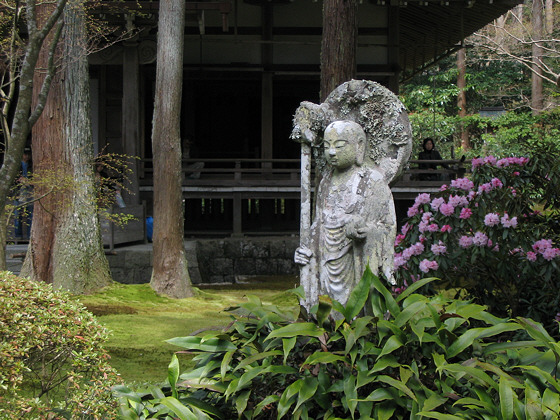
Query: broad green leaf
column 433, row 401
column 536, row 331
column 397, row 384
column 241, row 401
column 307, row 391
column 178, row 409
column 391, row 345
column 468, row 401
column 288, row 397
column 198, row 404
column 297, row 329
column 259, row 356
column 390, row 301
column 384, row 411
column 287, row 346
column 382, row 363
column 211, row 385
column 225, row 362
column 547, row 376
column 350, row 394
column 405, row 374
column 173, row 374
column 471, row 371
column 380, row 394
column 414, row 286
column 467, row 339
column 506, row 399
column 249, row 375
column 499, row 347
column 323, row 357
column 439, row 416
column 271, row 399
column 323, row 311
column 409, row 312
column 358, row 296
column 214, row 345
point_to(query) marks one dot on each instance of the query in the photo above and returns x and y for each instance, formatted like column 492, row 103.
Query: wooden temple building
column 247, row 66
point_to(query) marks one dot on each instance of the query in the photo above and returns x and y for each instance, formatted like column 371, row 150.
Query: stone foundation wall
column 212, row 260
column 227, row 260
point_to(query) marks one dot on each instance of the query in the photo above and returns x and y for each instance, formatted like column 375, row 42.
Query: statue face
column 340, row 148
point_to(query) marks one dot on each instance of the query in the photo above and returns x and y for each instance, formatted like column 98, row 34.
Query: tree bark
column 65, row 246
column 537, row 101
column 170, row 275
column 338, row 44
column 25, row 115
column 462, row 96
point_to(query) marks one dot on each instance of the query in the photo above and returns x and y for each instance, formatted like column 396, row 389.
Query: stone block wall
column 212, row 260
column 227, row 260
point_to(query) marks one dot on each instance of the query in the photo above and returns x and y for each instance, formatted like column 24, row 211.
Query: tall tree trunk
column 462, row 96
column 549, row 16
column 25, row 115
column 66, row 247
column 170, row 275
column 537, row 101
column 338, row 44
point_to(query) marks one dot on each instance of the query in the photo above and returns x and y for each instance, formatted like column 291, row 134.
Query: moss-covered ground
column 141, row 321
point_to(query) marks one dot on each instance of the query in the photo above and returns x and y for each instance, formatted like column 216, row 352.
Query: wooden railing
column 243, row 196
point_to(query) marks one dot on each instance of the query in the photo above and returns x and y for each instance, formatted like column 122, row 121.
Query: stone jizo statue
column 354, row 220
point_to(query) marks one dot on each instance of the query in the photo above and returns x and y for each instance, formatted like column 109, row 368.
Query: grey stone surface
column 209, row 261
column 362, row 138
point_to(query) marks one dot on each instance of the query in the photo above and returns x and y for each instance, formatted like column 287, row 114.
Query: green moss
column 141, row 321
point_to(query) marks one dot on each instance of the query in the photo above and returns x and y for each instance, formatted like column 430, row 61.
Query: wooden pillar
column 393, row 48
column 237, row 216
column 131, row 117
column 266, row 84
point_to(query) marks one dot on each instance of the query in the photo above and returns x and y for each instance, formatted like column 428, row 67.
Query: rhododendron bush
column 494, row 234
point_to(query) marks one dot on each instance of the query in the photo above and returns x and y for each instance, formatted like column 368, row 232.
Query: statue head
column 344, row 144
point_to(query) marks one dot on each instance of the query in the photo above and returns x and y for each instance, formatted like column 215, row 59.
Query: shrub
column 52, row 364
column 485, row 236
column 412, row 356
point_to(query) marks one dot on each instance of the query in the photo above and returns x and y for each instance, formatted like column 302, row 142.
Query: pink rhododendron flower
column 491, row 219
column 480, row 239
column 436, row 203
column 427, row 265
column 422, row 199
column 446, row 209
column 507, row 222
column 496, row 183
column 426, row 217
column 496, row 248
column 439, row 248
column 471, row 195
column 446, row 228
column 462, row 184
column 550, row 253
column 490, row 160
column 485, row 188
column 477, row 162
column 433, row 228
column 542, row 245
column 406, row 228
column 465, row 241
column 415, row 249
column 444, row 187
column 412, row 211
column 516, row 173
column 398, row 261
column 465, row 213
column 513, row 192
column 458, row 201
column 531, row 256
column 399, row 239
column 423, row 226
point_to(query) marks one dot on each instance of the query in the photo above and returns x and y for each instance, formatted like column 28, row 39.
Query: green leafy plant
column 378, row 357
column 52, row 363
column 484, row 236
